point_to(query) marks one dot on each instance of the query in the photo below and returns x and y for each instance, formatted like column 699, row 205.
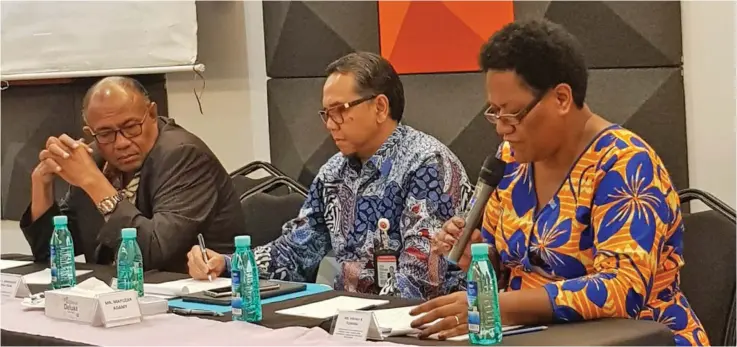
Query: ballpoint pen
column 203, row 248
column 195, row 312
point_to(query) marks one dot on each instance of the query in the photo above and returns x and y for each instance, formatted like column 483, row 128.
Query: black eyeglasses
column 494, row 116
column 336, row 112
column 129, row 131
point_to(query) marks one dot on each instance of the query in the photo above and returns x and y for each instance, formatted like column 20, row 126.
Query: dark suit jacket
column 183, row 191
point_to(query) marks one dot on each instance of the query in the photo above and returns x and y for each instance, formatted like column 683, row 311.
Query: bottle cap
column 383, row 224
column 243, row 241
column 128, row 233
column 479, row 249
column 60, row 220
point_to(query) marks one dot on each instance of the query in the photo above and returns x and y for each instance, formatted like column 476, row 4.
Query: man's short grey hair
column 374, row 75
column 127, row 83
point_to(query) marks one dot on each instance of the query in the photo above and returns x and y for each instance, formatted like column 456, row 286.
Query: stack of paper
column 185, row 286
column 397, row 322
column 329, row 308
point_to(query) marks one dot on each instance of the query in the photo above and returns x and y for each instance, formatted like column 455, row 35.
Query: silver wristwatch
column 108, row 205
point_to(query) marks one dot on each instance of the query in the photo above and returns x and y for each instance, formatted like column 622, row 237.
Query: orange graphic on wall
column 438, row 36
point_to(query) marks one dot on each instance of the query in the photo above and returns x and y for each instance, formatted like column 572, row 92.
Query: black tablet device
column 267, row 288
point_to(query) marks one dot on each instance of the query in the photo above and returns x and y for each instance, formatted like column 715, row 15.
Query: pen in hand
column 203, row 248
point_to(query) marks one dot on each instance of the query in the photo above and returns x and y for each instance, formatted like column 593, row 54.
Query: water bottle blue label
column 235, row 280
column 474, row 318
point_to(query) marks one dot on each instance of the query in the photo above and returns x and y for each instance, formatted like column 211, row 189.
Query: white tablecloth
column 164, row 329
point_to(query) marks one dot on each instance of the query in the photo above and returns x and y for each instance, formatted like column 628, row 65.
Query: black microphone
column 491, row 174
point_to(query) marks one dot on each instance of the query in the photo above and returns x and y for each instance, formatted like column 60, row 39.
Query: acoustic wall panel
column 303, row 37
column 616, row 33
column 450, row 107
column 649, row 102
column 300, row 143
column 438, row 36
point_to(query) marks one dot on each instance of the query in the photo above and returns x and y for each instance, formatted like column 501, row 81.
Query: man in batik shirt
column 384, row 170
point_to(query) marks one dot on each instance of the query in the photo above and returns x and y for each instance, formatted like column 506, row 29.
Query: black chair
column 243, row 183
column 258, row 165
column 708, row 278
column 273, row 184
column 266, row 213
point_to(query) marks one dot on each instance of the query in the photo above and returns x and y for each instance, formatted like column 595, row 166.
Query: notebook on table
column 268, row 289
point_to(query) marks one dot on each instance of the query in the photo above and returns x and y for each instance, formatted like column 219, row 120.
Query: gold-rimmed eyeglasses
column 336, row 112
column 493, row 115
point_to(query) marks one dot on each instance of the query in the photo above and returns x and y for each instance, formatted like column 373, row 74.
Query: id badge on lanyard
column 385, row 259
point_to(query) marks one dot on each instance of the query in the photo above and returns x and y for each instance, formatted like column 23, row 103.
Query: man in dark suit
column 142, row 171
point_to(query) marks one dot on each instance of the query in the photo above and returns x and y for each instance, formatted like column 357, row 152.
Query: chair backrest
column 266, row 214
column 242, row 184
column 708, row 278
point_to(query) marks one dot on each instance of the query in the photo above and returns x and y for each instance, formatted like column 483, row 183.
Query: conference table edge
column 276, row 321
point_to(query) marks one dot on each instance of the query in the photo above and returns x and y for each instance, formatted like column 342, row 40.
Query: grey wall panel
column 616, row 33
column 29, row 115
column 450, row 107
column 300, row 143
column 653, row 100
column 302, row 37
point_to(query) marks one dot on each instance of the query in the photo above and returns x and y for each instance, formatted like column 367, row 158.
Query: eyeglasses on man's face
column 128, row 131
column 336, row 112
column 493, row 114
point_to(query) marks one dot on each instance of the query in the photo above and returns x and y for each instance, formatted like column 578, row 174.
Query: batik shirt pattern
column 413, row 180
column 608, row 244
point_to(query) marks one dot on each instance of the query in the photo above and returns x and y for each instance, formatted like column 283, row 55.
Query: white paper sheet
column 7, row 264
column 44, row 276
column 185, row 286
column 329, row 308
column 397, row 322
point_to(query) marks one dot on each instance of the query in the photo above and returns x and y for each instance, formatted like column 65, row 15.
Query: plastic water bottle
column 130, row 262
column 484, row 320
column 236, row 271
column 61, row 255
column 246, row 300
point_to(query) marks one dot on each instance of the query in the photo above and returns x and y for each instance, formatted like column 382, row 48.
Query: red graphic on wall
column 438, row 36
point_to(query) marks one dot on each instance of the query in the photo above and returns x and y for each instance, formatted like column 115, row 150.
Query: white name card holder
column 119, row 308
column 356, row 326
column 105, row 309
column 68, row 305
column 13, row 286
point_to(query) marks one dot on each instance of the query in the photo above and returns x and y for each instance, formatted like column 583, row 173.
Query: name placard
column 13, row 286
column 70, row 305
column 119, row 308
column 356, row 326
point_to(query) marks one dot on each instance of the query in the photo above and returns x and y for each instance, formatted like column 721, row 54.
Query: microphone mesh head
column 492, row 171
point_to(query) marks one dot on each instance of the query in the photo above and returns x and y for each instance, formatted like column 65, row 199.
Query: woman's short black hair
column 542, row 53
